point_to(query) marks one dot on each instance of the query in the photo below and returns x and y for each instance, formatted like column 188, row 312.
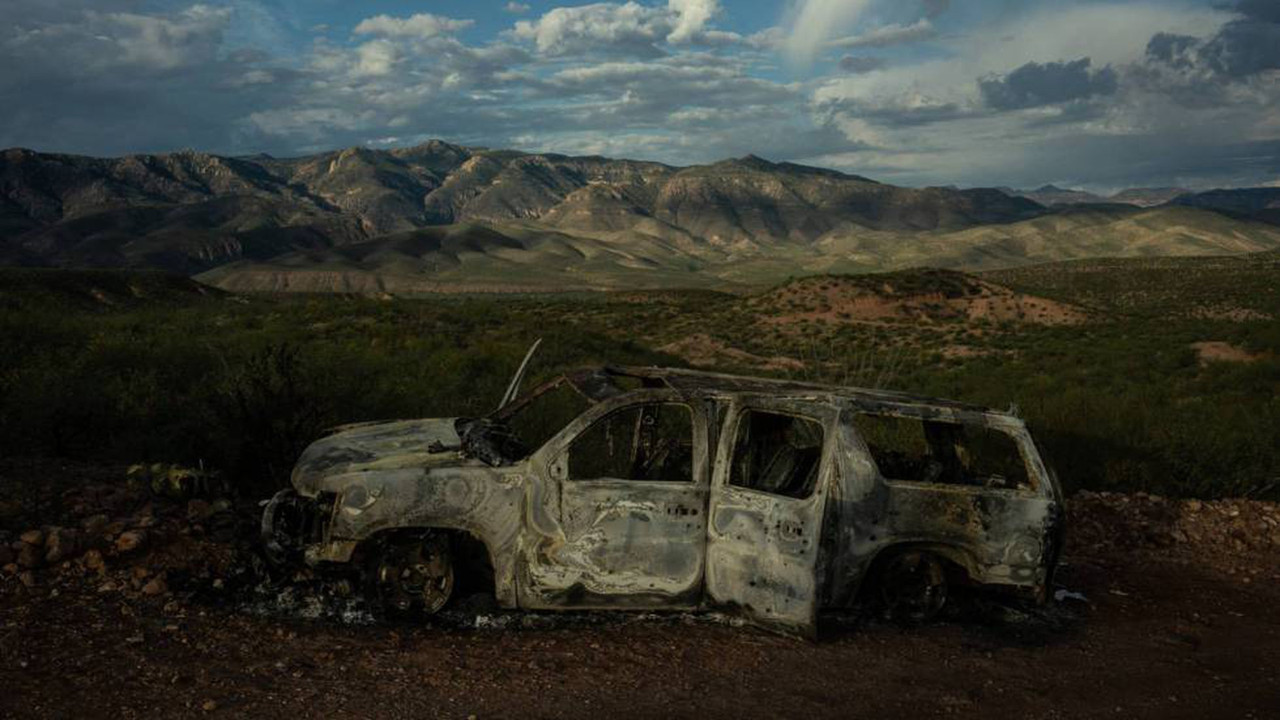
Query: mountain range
column 440, row 216
column 1052, row 195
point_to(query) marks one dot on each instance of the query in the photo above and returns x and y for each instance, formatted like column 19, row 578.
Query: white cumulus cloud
column 818, row 21
column 569, row 30
column 888, row 35
column 422, row 25
column 628, row 28
column 691, row 16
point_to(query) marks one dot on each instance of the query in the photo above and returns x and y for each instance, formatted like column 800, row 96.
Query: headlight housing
column 358, row 497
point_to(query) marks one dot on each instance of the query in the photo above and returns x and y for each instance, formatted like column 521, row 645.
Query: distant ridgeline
column 441, row 217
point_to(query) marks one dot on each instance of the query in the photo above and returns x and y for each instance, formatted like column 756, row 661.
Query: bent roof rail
column 682, row 379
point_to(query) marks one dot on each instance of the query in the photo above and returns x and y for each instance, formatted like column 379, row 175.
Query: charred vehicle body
column 649, row 488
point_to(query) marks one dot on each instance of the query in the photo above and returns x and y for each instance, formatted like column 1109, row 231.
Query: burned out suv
column 649, row 488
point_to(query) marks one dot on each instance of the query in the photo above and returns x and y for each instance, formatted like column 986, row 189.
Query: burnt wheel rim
column 914, row 587
column 416, row 575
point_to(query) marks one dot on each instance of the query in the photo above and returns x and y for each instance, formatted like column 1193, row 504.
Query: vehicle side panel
column 762, row 548
column 998, row 536
column 485, row 502
column 614, row 542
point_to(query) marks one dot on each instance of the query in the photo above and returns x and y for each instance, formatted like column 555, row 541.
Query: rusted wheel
column 413, row 577
column 913, row 587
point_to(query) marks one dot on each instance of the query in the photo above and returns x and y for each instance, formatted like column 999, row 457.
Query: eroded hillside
column 440, row 217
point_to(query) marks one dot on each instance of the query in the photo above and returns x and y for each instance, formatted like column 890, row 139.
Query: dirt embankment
column 115, row 603
column 702, row 350
column 1211, row 351
column 929, row 296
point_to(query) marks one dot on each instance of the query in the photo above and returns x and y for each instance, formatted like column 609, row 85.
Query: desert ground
column 1164, row 609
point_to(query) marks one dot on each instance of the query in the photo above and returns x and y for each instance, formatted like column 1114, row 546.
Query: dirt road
column 1180, row 630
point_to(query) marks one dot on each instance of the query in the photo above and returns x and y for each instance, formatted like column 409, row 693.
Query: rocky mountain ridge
column 484, row 215
column 1054, row 196
column 190, row 210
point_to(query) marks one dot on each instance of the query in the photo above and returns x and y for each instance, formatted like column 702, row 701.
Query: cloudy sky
column 970, row 92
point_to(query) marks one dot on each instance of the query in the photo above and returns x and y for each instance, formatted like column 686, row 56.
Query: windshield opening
column 513, row 432
column 537, row 417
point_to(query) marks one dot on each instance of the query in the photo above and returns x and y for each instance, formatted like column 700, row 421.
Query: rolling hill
column 526, row 257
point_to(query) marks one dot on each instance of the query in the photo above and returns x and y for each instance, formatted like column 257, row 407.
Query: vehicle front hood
column 378, row 447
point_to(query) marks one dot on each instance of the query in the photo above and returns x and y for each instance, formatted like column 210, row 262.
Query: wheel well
column 472, row 561
column 958, row 564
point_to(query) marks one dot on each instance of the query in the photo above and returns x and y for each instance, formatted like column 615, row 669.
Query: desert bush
column 242, row 385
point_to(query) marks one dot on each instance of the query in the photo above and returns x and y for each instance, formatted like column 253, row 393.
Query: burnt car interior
column 930, row 451
column 517, row 429
column 643, row 442
column 777, row 454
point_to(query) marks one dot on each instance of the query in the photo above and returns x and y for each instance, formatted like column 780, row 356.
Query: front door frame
column 558, row 568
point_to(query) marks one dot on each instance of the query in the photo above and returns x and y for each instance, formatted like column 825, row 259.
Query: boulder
column 95, row 525
column 156, row 586
column 93, row 561
column 32, row 537
column 61, row 544
column 130, row 541
column 30, row 556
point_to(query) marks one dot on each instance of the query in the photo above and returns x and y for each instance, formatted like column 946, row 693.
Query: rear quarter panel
column 998, row 536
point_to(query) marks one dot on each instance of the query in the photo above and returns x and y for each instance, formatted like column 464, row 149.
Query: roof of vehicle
column 683, row 379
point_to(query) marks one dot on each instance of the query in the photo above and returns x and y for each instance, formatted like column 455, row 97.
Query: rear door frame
column 762, row 551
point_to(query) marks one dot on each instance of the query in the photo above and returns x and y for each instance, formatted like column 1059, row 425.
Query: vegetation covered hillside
column 1169, row 386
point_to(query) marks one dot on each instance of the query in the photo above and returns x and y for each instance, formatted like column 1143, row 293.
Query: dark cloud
column 1263, row 10
column 1240, row 49
column 1243, row 48
column 934, row 8
column 855, row 64
column 1173, row 50
column 910, row 116
column 112, row 80
column 1036, row 84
